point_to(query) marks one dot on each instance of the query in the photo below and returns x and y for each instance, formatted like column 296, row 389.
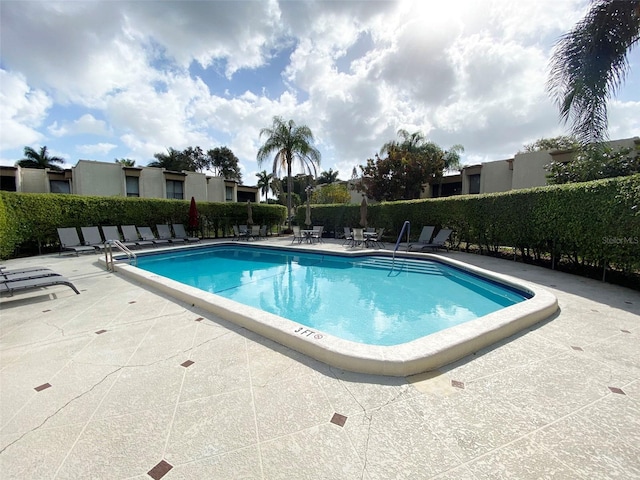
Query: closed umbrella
column 307, row 220
column 363, row 212
column 249, row 213
column 193, row 215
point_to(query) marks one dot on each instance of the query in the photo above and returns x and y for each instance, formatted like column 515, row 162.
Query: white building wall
column 496, row 177
column 33, row 180
column 195, row 185
column 152, row 183
column 98, row 178
column 215, row 189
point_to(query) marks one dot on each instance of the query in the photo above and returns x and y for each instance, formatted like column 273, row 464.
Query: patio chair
column 348, row 236
column 13, row 286
column 263, row 231
column 147, row 234
column 358, row 237
column 179, row 232
column 237, row 234
column 111, row 232
column 378, row 238
column 69, row 240
column 92, row 237
column 425, row 237
column 254, row 234
column 164, row 233
column 439, row 241
column 297, row 234
column 317, row 233
column 130, row 234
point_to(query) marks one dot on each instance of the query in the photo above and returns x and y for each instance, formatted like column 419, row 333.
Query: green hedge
column 587, row 223
column 31, row 219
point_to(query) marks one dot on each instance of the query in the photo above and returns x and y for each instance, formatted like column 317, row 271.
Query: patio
column 124, row 382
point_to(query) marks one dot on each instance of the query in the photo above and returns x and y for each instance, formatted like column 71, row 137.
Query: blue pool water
column 356, row 298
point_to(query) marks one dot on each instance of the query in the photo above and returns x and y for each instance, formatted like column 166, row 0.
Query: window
column 59, row 186
column 133, row 186
column 228, row 194
column 474, row 183
column 8, row 183
column 175, row 189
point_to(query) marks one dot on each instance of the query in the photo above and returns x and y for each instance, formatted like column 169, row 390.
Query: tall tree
column 328, row 176
column 264, row 183
column 224, row 163
column 289, row 142
column 590, row 63
column 555, row 143
column 41, row 159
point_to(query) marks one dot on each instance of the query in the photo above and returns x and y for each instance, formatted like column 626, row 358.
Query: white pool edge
column 421, row 355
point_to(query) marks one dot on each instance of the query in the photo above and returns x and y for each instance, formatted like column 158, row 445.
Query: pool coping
column 420, row 355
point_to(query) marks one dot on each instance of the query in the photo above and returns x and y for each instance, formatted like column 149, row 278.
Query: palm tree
column 328, row 176
column 411, row 142
column 172, row 160
column 264, row 183
column 41, row 159
column 126, row 162
column 590, row 63
column 290, row 142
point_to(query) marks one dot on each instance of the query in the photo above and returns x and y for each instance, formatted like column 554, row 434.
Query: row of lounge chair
column 425, row 241
column 16, row 280
column 132, row 237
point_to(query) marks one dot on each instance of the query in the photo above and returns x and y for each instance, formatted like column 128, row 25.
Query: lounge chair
column 425, row 237
column 30, row 284
column 69, row 240
column 147, row 234
column 8, row 276
column 178, row 231
column 130, row 234
column 439, row 241
column 92, row 237
column 164, row 233
column 5, row 271
column 111, row 233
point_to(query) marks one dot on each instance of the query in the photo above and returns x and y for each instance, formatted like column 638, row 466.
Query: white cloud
column 86, row 124
column 23, row 110
column 101, row 148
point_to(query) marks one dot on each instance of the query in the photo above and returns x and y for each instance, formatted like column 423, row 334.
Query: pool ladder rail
column 108, row 253
column 405, row 226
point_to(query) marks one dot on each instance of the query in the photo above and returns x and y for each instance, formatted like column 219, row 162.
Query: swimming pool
column 425, row 353
column 370, row 300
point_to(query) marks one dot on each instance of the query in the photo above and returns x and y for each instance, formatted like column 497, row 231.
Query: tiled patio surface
column 123, row 382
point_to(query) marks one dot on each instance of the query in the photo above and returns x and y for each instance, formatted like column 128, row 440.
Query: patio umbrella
column 193, row 215
column 249, row 213
column 307, row 220
column 363, row 212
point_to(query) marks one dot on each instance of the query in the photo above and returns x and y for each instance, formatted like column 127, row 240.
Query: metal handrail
column 405, row 226
column 108, row 253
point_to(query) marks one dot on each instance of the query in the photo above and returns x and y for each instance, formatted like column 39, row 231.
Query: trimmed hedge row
column 586, row 223
column 30, row 218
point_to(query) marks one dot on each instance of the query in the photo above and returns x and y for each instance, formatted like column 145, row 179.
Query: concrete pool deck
column 122, row 381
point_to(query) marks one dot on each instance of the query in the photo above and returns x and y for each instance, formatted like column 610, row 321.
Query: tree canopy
column 220, row 160
column 409, row 164
column 289, row 143
column 555, row 143
column 41, row 159
column 590, row 63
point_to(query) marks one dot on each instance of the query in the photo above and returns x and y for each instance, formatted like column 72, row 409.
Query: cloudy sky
column 101, row 80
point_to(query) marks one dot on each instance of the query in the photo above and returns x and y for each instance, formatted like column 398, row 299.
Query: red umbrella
column 193, row 214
